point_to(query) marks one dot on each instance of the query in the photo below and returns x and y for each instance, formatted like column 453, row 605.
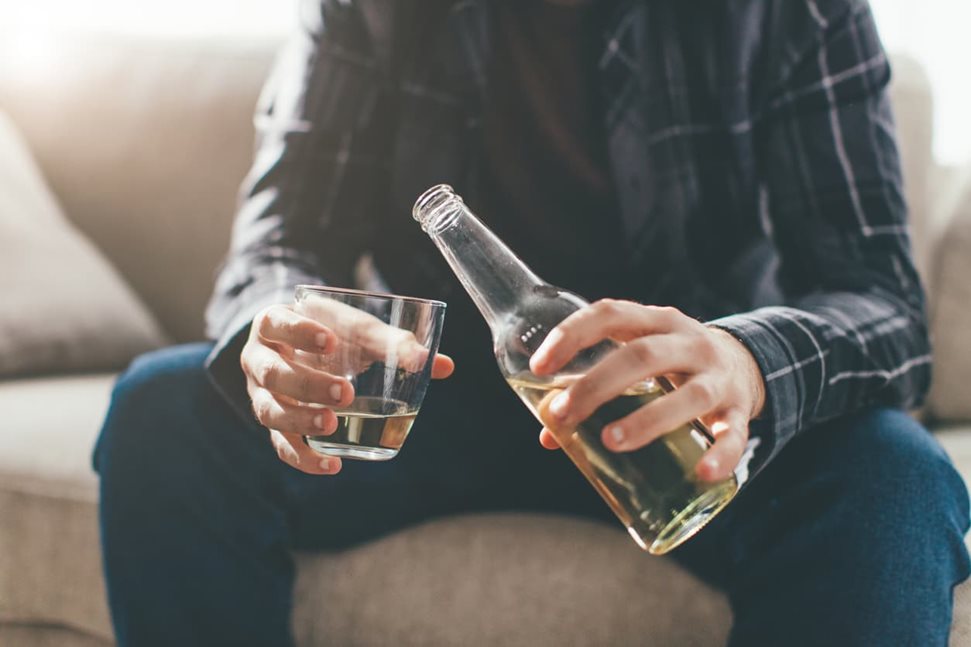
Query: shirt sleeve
column 853, row 330
column 302, row 215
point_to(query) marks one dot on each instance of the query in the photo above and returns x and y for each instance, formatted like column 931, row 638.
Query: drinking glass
column 386, row 344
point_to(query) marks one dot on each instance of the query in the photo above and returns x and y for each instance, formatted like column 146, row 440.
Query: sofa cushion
column 505, row 579
column 150, row 169
column 951, row 316
column 910, row 92
column 48, row 501
column 34, row 635
column 48, row 431
column 64, row 308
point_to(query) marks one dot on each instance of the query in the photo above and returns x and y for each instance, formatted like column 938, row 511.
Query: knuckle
column 278, row 321
column 304, row 329
column 268, row 375
column 736, row 439
column 642, row 350
column 706, row 349
column 702, row 393
column 644, row 422
column 403, row 340
column 606, row 307
column 244, row 360
column 263, row 321
column 666, row 314
column 370, row 328
column 579, row 392
column 265, row 414
column 262, row 410
column 306, row 387
column 284, row 323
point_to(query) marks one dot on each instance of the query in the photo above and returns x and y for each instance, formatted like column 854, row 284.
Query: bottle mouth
column 437, row 208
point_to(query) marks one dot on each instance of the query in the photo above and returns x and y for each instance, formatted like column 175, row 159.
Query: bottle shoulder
column 522, row 331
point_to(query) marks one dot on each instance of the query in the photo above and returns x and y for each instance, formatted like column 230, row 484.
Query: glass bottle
column 653, row 490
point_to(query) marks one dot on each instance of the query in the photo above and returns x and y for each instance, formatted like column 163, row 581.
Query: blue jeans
column 852, row 536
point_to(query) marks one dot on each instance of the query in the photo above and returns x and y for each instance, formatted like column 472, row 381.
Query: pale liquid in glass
column 370, row 428
column 652, row 490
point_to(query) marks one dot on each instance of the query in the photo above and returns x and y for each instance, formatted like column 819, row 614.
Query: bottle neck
column 495, row 278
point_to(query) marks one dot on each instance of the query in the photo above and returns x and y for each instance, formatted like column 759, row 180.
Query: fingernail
column 326, row 464
column 319, row 421
column 559, row 404
column 711, row 464
column 336, row 392
column 616, row 434
column 322, row 339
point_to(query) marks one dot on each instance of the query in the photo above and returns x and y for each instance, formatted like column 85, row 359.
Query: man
column 733, row 160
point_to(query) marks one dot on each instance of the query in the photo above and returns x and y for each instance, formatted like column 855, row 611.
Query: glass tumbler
column 386, row 344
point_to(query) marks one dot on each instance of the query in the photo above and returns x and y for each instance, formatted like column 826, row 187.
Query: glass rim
column 370, row 294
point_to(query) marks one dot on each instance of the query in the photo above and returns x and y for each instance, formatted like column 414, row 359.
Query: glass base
column 689, row 521
column 360, row 453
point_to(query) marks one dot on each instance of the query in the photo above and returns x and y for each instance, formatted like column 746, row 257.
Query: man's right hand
column 290, row 393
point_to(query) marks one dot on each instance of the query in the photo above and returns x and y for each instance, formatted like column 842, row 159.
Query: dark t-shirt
column 545, row 186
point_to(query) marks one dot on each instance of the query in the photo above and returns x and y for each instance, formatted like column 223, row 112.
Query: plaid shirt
column 752, row 148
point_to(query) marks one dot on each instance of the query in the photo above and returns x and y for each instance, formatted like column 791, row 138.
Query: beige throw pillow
column 950, row 397
column 62, row 306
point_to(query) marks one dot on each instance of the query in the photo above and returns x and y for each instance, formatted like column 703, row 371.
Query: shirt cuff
column 778, row 422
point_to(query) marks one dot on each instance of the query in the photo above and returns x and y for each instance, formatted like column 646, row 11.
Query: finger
column 631, row 363
column 290, row 379
column 694, row 399
column 731, row 437
column 442, row 366
column 280, row 324
column 293, row 451
column 273, row 413
column 372, row 339
column 606, row 319
column 360, row 329
column 547, row 439
column 383, row 343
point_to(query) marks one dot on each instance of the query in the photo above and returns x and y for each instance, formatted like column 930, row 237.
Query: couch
column 116, row 124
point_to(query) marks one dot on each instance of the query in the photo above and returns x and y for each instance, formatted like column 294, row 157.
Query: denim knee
column 888, row 447
column 901, row 488
column 148, row 399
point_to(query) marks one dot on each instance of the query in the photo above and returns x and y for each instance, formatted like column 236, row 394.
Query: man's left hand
column 720, row 382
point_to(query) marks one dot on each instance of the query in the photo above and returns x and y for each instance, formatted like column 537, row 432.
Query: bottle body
column 652, row 490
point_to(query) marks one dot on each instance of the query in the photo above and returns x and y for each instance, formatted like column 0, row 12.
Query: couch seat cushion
column 50, row 425
column 505, row 579
column 50, row 564
column 956, row 439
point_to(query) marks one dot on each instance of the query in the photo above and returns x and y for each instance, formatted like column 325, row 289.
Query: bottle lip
column 437, row 208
